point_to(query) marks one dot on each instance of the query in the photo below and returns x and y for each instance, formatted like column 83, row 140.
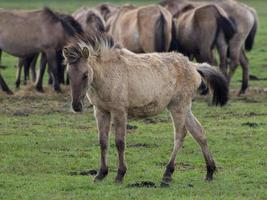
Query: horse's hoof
column 166, row 181
column 208, row 178
column 57, row 89
column 9, row 92
column 17, row 85
column 39, row 89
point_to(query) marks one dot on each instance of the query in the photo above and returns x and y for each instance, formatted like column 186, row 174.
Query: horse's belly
column 150, row 109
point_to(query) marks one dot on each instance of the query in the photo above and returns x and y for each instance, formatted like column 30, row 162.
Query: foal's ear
column 65, row 52
column 85, row 52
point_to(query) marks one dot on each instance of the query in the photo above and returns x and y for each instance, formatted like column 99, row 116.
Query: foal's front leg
column 103, row 124
column 120, row 121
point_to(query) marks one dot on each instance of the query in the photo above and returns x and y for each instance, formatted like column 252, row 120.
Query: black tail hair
column 228, row 26
column 251, row 36
column 214, row 80
column 160, row 34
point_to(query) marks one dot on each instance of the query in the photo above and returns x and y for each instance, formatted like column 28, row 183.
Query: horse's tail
column 160, row 36
column 174, row 46
column 225, row 23
column 251, row 36
column 214, row 80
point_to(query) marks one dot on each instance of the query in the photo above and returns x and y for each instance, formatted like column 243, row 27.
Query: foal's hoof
column 208, row 178
column 165, row 181
column 164, row 184
column 210, row 171
column 119, row 180
column 101, row 175
column 120, row 175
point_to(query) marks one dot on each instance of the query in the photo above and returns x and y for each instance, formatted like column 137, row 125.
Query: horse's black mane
column 70, row 25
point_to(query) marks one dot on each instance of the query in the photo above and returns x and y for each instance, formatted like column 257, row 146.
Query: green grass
column 42, row 143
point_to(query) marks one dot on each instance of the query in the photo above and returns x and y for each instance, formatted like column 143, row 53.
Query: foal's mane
column 95, row 43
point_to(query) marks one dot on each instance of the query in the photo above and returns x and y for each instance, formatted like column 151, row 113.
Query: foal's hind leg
column 103, row 124
column 120, row 121
column 178, row 118
column 195, row 128
column 39, row 81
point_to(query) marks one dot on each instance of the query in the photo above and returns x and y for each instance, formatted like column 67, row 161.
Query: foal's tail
column 214, row 80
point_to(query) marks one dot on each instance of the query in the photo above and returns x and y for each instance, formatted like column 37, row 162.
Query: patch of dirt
column 255, row 78
column 142, row 184
column 91, row 172
column 252, row 124
column 131, row 127
column 154, row 120
column 184, row 166
column 20, row 114
column 144, row 145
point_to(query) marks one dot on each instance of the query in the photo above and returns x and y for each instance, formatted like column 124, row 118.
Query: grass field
column 47, row 152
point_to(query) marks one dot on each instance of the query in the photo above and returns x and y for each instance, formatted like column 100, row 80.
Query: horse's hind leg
column 4, row 86
column 103, row 124
column 19, row 68
column 39, row 82
column 244, row 65
column 32, row 67
column 178, row 118
column 120, row 121
column 51, row 59
column 196, row 130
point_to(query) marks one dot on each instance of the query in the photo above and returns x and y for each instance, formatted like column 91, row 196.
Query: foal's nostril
column 77, row 106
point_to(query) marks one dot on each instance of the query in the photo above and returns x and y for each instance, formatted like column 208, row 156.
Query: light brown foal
column 120, row 83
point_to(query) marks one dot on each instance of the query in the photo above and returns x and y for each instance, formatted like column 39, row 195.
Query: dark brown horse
column 246, row 21
column 40, row 31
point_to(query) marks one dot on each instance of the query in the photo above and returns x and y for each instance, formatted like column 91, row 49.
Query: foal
column 120, row 83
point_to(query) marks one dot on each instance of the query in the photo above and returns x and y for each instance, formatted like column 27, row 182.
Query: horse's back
column 154, row 80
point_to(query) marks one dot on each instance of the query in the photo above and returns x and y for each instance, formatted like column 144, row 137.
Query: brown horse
column 197, row 31
column 120, row 83
column 141, row 30
column 40, row 31
column 90, row 19
column 246, row 21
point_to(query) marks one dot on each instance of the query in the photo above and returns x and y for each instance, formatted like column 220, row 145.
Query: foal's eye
column 85, row 76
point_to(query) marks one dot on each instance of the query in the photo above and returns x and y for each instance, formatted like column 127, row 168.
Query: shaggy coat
column 120, row 83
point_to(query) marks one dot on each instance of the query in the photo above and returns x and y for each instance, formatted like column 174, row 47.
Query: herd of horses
column 195, row 29
column 123, row 59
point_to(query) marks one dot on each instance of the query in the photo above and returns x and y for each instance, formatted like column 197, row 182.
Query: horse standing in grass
column 26, row 33
column 203, row 24
column 120, row 83
column 246, row 20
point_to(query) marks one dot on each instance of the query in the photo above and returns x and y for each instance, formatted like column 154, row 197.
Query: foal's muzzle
column 77, row 106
